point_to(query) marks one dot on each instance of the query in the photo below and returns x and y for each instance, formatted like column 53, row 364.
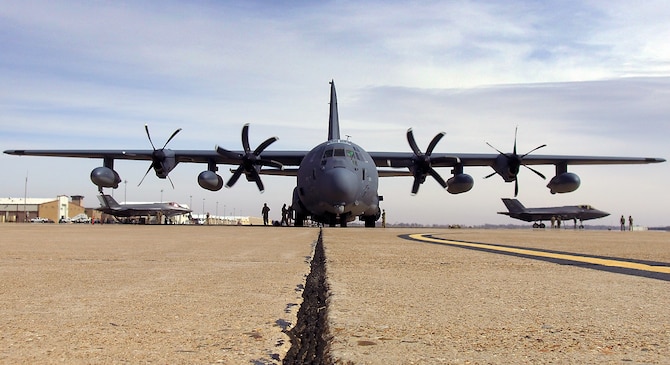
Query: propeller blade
column 245, row 138
column 434, row 142
column 497, row 150
column 265, row 145
column 172, row 136
column 170, row 179
column 412, row 143
column 515, row 131
column 158, row 157
column 145, row 174
column 437, row 177
column 236, row 175
column 271, row 163
column 535, row 171
column 489, row 175
column 415, row 185
column 533, row 150
column 146, row 128
column 516, row 187
column 257, row 179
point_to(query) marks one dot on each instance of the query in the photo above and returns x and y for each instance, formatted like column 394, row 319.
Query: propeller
column 158, row 157
column 422, row 162
column 250, row 161
column 515, row 161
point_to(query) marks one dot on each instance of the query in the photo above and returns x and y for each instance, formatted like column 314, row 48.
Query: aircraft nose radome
column 341, row 186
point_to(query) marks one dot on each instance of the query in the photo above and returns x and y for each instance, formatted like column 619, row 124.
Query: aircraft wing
column 286, row 158
column 381, row 159
column 404, row 159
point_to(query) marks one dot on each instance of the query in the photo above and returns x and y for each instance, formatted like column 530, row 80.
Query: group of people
column 623, row 223
column 286, row 215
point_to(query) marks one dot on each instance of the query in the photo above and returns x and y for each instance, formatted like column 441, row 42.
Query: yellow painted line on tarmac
column 558, row 256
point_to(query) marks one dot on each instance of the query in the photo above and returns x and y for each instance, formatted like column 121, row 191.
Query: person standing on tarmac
column 265, row 211
column 284, row 215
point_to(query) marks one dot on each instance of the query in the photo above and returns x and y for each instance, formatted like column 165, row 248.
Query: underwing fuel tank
column 564, row 183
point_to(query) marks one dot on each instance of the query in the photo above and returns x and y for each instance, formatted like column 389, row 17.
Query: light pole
column 190, row 202
column 161, row 195
column 217, row 209
column 125, row 191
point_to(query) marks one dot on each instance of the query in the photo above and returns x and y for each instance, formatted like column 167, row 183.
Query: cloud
column 582, row 77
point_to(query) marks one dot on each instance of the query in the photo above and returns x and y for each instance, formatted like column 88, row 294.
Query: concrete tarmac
column 232, row 295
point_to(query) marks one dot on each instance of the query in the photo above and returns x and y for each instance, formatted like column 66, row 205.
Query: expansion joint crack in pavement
column 309, row 337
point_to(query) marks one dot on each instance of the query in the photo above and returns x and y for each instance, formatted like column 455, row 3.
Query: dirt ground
column 419, row 303
column 207, row 295
column 149, row 294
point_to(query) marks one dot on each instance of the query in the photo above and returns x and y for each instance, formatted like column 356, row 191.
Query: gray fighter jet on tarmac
column 110, row 206
column 537, row 215
column 337, row 181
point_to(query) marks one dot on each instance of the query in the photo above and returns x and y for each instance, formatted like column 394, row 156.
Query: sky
column 583, row 77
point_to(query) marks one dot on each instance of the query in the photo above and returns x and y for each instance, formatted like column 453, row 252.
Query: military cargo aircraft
column 110, row 206
column 337, row 181
column 582, row 212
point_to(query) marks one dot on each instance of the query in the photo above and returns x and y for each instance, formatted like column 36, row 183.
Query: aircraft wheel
column 542, row 225
column 535, row 225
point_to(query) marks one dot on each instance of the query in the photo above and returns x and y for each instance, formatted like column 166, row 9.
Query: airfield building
column 25, row 209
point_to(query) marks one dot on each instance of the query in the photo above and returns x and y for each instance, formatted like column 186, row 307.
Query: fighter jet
column 582, row 212
column 337, row 180
column 110, row 206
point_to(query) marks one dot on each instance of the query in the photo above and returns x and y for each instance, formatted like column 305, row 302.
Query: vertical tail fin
column 107, row 201
column 513, row 205
column 333, row 119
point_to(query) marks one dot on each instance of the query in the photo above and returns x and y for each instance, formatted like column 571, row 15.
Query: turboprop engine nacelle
column 460, row 183
column 210, row 180
column 104, row 177
column 564, row 183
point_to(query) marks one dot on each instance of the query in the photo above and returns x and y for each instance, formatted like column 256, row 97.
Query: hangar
column 25, row 209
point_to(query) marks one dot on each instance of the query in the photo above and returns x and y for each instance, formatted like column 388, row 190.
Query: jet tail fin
column 513, row 205
column 108, row 202
column 333, row 119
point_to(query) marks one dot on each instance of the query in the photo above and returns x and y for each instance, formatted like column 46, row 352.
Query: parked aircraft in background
column 337, row 180
column 538, row 215
column 110, row 206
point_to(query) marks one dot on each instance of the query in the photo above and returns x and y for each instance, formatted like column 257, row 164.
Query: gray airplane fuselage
column 337, row 182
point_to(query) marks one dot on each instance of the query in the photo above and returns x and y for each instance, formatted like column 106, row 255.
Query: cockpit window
column 341, row 152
